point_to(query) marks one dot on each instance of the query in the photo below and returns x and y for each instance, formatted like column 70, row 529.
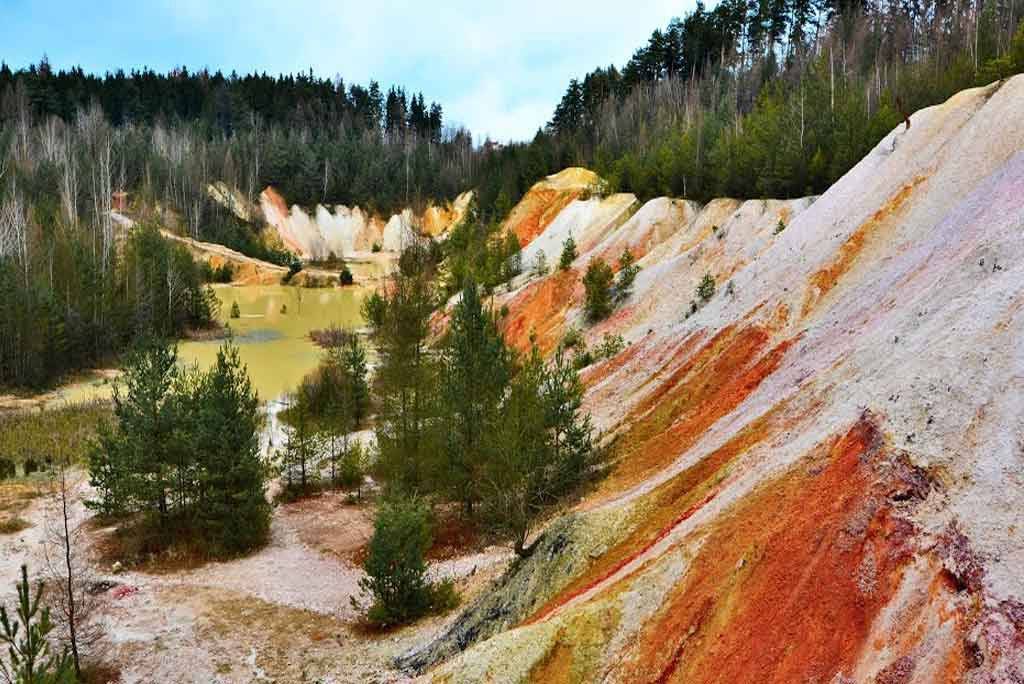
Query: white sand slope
column 821, row 470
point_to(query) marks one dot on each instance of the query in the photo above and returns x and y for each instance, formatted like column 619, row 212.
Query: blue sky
column 498, row 68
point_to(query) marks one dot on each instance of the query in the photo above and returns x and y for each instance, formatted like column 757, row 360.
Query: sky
column 498, row 68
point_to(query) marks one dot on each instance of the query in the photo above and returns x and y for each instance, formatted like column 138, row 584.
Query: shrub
column 706, row 289
column 627, row 274
column 375, row 248
column 598, row 284
column 583, row 359
column 236, row 312
column 345, row 278
column 610, row 346
column 396, row 569
column 13, row 525
column 284, row 309
column 293, row 268
column 352, row 468
column 573, row 338
column 780, row 227
column 568, row 254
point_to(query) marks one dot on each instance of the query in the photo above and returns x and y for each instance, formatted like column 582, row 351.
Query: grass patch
column 13, row 525
column 15, row 497
column 29, row 439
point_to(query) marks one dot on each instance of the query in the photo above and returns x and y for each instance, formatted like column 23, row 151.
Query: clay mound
column 437, row 221
column 818, row 474
column 546, row 199
column 349, row 231
column 245, row 270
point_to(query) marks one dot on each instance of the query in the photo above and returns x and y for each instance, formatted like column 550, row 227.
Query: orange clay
column 706, row 387
column 826, row 279
column 778, row 592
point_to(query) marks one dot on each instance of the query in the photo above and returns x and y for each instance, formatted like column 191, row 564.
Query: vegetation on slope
column 753, row 100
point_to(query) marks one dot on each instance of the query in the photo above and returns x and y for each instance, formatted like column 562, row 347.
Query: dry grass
column 13, row 525
column 15, row 497
column 100, row 673
column 332, row 525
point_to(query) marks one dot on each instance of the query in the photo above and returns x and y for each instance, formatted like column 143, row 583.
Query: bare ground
column 283, row 614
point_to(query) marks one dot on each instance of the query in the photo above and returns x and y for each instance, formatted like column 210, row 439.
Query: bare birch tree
column 73, row 606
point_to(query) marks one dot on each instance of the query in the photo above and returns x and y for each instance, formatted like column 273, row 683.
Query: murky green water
column 274, row 344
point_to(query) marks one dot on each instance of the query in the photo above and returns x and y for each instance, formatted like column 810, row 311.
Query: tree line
column 763, row 99
column 317, row 140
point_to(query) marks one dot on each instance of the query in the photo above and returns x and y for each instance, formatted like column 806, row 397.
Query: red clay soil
column 539, row 312
column 826, row 278
column 787, row 584
column 665, row 508
column 708, row 385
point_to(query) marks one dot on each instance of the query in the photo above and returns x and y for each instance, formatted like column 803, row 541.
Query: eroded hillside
column 819, row 469
column 345, row 231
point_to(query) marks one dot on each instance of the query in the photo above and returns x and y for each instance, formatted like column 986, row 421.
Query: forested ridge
column 764, row 98
column 768, row 98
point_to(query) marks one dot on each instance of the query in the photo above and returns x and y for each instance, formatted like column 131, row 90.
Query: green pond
column 272, row 334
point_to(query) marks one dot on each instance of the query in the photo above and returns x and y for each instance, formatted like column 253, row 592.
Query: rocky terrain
column 346, row 231
column 819, row 467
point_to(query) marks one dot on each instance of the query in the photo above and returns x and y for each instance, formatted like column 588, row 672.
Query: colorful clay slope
column 820, row 472
column 346, row 231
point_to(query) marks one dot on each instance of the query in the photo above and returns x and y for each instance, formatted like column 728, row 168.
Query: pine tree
column 626, row 275
column 516, row 476
column 396, row 569
column 568, row 254
column 234, row 512
column 26, row 636
column 542, row 446
column 130, row 463
column 598, row 283
column 406, row 377
column 354, row 364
